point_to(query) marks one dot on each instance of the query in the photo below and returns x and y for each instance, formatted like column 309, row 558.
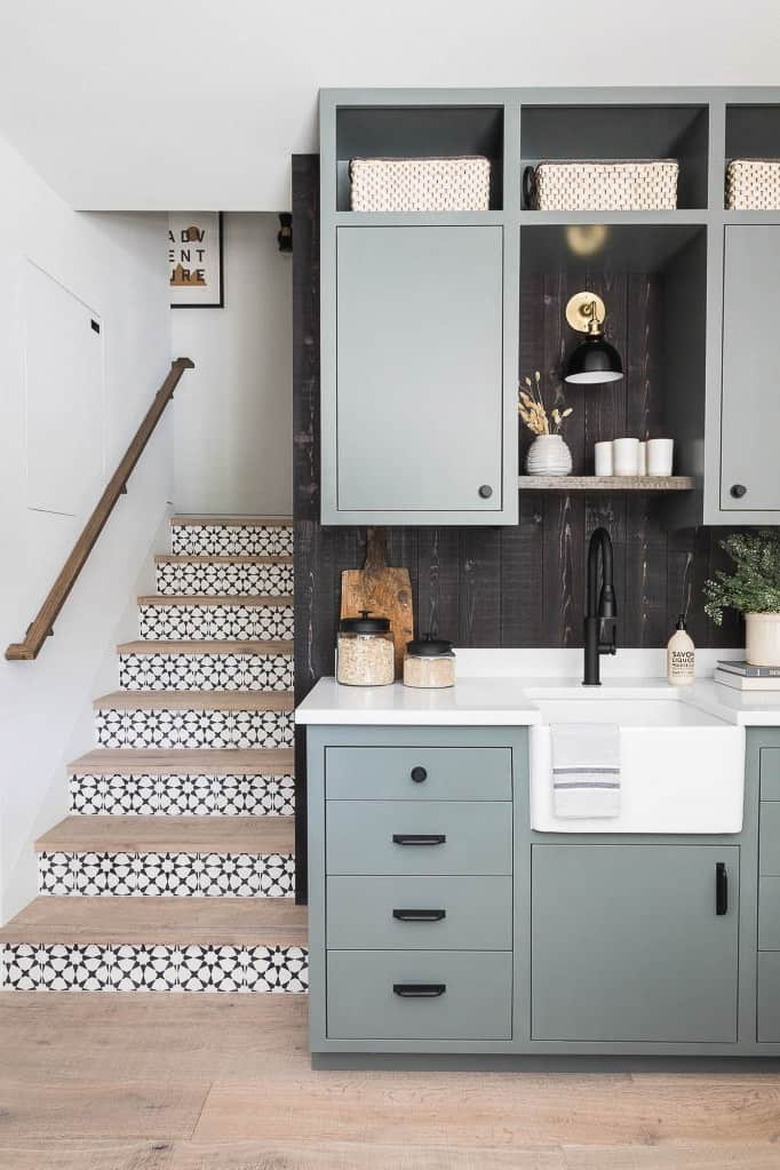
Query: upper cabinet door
column 419, row 375
column 751, row 358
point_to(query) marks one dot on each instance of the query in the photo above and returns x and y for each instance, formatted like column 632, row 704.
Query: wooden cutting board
column 386, row 592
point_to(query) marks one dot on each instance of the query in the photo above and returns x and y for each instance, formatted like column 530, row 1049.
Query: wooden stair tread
column 174, row 921
column 183, row 761
column 211, row 647
column 232, row 521
column 196, row 701
column 214, row 599
column 170, row 835
column 205, row 559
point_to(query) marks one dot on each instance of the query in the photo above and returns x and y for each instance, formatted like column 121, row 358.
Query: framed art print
column 195, row 259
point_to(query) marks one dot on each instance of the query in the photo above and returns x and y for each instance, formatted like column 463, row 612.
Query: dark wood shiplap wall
column 520, row 586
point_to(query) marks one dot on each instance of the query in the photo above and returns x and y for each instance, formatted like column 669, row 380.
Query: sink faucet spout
column 601, row 614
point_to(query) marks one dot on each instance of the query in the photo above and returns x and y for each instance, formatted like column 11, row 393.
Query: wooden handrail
column 42, row 624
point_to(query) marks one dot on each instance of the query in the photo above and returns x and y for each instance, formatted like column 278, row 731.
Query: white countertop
column 496, row 688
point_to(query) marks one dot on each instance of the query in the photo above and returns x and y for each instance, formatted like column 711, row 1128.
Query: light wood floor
column 186, row 1082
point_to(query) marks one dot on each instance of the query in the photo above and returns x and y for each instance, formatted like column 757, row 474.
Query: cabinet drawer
column 420, row 913
column 769, row 770
column 769, row 839
column 769, row 997
column 409, row 837
column 412, row 773
column 769, row 914
column 451, row 995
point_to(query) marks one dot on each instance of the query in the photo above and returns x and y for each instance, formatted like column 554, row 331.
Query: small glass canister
column 430, row 663
column 366, row 651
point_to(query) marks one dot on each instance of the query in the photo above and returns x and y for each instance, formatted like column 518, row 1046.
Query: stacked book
column 744, row 677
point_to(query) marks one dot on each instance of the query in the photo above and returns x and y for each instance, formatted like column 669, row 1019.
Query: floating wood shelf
column 606, row 483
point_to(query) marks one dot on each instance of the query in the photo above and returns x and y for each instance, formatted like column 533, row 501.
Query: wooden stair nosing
column 160, row 599
column 219, row 559
column 231, row 521
column 184, row 761
column 182, row 834
column 226, row 921
column 196, row 701
column 212, row 646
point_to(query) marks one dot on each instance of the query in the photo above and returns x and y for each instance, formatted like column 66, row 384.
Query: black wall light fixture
column 284, row 235
column 594, row 360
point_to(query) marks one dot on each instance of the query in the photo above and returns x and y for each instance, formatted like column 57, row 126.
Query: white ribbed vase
column 762, row 639
column 548, row 455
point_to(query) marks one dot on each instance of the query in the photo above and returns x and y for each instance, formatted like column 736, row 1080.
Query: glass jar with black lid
column 430, row 663
column 365, row 651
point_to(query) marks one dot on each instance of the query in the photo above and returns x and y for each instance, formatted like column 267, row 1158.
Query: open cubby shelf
column 605, row 483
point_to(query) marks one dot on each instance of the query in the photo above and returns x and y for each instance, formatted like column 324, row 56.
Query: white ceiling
column 198, row 104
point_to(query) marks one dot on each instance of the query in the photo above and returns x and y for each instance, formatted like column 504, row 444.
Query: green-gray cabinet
column 751, row 357
column 482, row 936
column 634, row 942
column 419, row 373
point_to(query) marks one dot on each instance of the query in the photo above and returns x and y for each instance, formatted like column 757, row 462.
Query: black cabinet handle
column 418, row 775
column 419, row 838
column 721, row 888
column 486, row 491
column 419, row 915
column 419, row 990
column 738, row 490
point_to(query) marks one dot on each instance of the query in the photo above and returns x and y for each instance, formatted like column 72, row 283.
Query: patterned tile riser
column 214, row 580
column 205, row 540
column 62, row 967
column 225, row 623
column 165, row 728
column 181, row 795
column 156, row 875
column 205, row 672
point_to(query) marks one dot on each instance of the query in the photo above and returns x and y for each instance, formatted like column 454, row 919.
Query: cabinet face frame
column 695, row 424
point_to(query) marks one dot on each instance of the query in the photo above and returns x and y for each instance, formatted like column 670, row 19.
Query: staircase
column 175, row 870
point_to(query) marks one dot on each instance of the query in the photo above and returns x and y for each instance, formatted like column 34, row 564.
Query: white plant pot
column 548, row 455
column 762, row 639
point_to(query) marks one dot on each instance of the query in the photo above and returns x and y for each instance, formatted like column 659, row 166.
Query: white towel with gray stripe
column 586, row 769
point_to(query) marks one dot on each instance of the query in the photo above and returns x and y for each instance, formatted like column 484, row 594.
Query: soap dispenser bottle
column 680, row 656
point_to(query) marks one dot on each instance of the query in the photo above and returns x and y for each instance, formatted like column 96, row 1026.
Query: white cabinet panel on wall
column 64, row 392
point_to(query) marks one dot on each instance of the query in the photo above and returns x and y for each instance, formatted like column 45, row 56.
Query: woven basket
column 630, row 185
column 753, row 184
column 420, row 184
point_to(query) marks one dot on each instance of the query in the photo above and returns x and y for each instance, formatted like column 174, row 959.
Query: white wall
column 115, row 265
column 233, row 418
column 191, row 103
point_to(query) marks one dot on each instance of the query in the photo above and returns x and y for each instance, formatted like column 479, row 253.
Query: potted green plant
column 753, row 589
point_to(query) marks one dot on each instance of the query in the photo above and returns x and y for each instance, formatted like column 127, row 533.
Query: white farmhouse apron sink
column 682, row 769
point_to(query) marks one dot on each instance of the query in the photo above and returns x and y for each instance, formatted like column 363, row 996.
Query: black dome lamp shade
column 594, row 360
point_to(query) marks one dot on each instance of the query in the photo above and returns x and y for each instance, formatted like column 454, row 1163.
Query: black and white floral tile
column 217, row 622
column 171, row 794
column 105, row 967
column 205, row 672
column 156, row 875
column 213, row 728
column 231, row 540
column 215, row 578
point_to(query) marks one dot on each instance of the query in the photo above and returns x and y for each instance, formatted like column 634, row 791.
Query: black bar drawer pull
column 419, row 990
column 419, row 838
column 419, row 915
column 721, row 888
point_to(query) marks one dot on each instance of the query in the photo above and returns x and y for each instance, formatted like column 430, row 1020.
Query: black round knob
column 418, row 775
column 486, row 491
column 738, row 490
